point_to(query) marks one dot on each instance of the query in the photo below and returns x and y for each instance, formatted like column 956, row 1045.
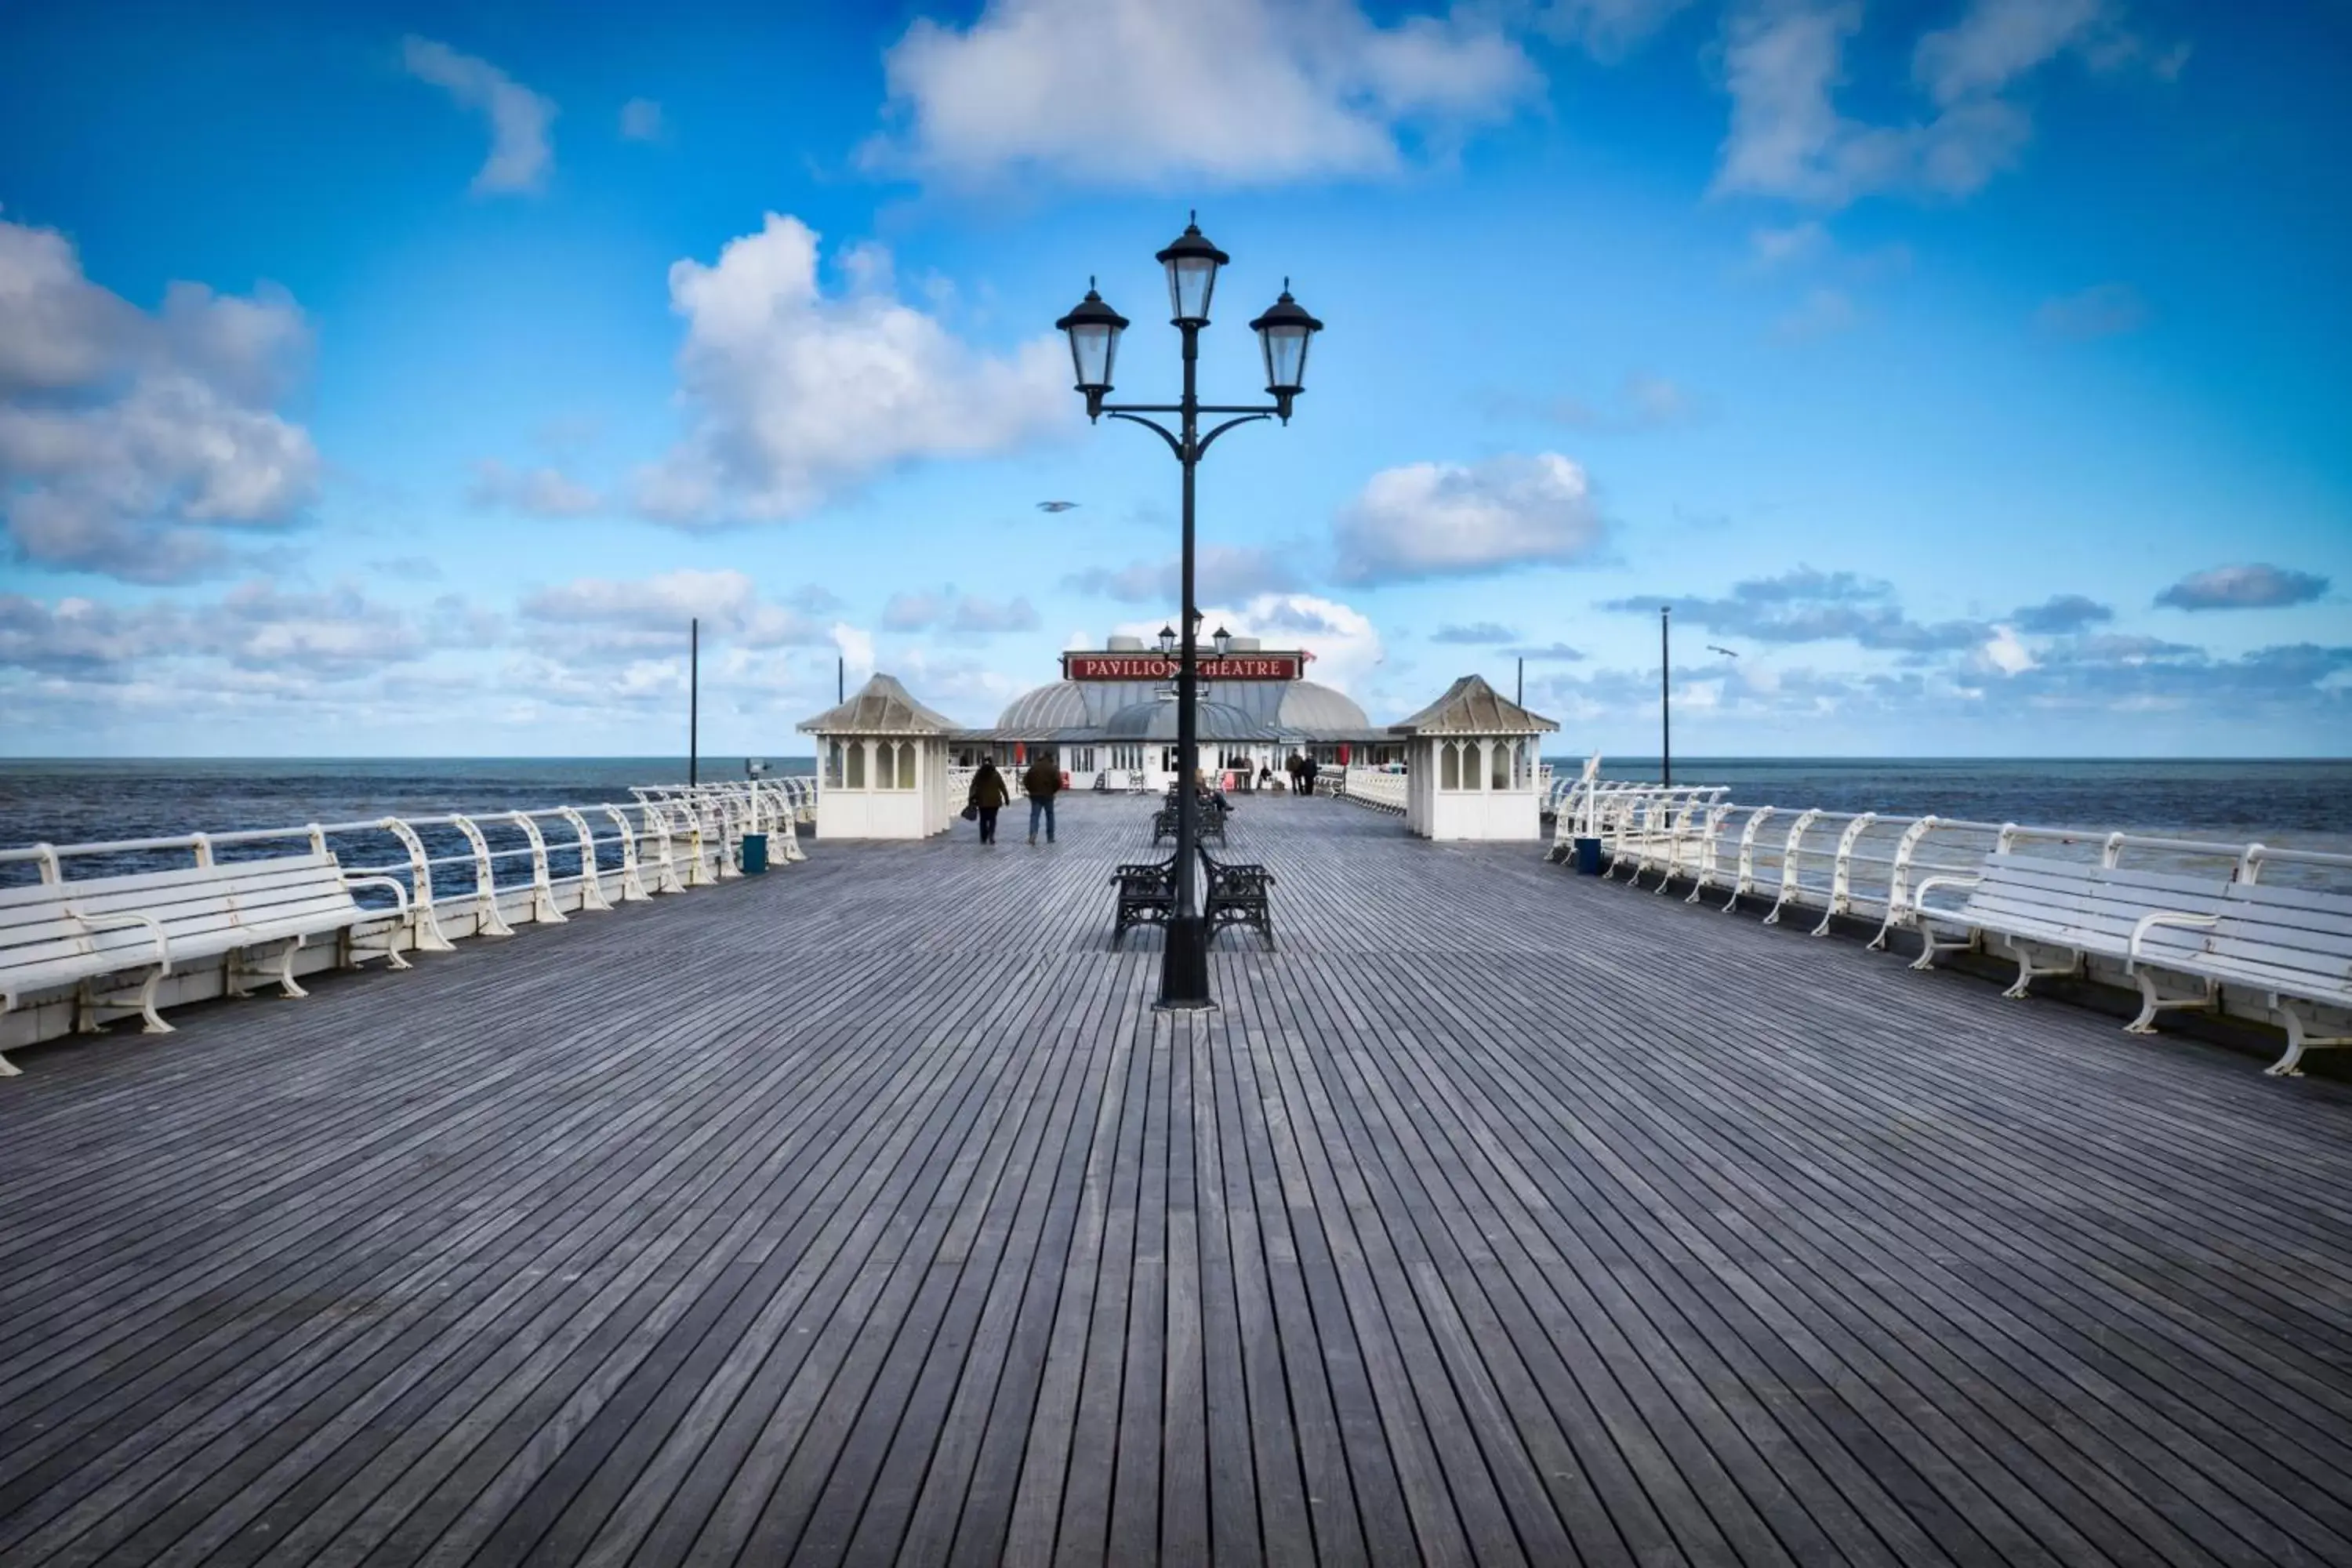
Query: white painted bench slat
column 77, row 933
column 2291, row 945
column 2080, row 910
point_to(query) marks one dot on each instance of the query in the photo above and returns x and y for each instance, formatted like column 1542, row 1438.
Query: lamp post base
column 1184, row 967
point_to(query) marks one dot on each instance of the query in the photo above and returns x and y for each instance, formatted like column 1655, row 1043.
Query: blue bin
column 755, row 853
column 1588, row 857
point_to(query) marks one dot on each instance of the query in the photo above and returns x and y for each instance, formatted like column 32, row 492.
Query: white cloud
column 129, row 442
column 1784, row 60
column 1346, row 645
column 332, row 636
column 540, row 492
column 1218, row 570
column 795, row 395
column 642, row 121
column 2005, row 653
column 604, row 616
column 1429, row 520
column 855, row 646
column 1606, row 29
column 520, row 148
column 1996, row 41
column 2249, row 587
column 1781, row 246
column 1236, row 93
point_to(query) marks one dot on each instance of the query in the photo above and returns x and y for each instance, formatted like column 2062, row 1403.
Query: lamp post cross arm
column 1176, row 443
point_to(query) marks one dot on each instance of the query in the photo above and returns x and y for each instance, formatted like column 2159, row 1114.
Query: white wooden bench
column 2073, row 909
column 252, row 915
column 2288, row 945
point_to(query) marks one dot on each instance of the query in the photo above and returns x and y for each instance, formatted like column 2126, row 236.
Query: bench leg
column 2299, row 1040
column 2028, row 971
column 89, row 1005
column 235, row 971
column 1929, row 947
column 351, row 955
column 9, row 1069
column 2153, row 1002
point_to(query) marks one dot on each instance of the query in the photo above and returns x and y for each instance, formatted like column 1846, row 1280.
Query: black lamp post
column 1284, row 332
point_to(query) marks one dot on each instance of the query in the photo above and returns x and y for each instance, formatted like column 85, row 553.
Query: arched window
column 855, row 776
column 833, row 765
column 906, row 764
column 1498, row 764
column 1449, row 766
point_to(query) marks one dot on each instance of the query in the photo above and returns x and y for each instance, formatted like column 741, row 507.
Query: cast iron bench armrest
column 2164, row 918
column 1238, row 896
column 399, row 892
column 119, row 922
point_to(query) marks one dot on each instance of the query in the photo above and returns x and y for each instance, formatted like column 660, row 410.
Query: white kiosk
column 1472, row 765
column 881, row 765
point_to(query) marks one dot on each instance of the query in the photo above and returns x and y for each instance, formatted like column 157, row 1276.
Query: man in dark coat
column 988, row 797
column 1042, row 783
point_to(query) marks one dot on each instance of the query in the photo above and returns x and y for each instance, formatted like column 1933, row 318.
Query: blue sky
column 399, row 379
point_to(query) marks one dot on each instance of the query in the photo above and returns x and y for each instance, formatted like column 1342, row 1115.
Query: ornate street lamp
column 1284, row 332
column 1225, row 641
column 1283, row 335
column 1094, row 329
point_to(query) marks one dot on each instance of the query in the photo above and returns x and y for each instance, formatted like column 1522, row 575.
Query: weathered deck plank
column 864, row 1213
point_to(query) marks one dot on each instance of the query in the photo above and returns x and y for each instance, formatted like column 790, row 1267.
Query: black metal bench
column 1208, row 823
column 1147, row 895
column 1237, row 897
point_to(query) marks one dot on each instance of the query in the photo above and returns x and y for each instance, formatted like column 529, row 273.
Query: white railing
column 1860, row 865
column 1375, row 787
column 464, row 874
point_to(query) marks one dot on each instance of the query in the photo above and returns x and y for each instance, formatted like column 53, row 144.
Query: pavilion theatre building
column 1112, row 716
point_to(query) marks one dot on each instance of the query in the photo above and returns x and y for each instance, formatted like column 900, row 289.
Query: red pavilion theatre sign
column 1152, row 667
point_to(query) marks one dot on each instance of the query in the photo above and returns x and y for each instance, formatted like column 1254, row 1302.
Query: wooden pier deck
column 864, row 1212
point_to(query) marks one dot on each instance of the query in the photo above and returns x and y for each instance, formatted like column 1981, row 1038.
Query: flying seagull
column 1055, row 505
column 1724, row 651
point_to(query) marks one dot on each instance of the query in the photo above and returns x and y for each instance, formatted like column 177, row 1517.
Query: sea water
column 2306, row 804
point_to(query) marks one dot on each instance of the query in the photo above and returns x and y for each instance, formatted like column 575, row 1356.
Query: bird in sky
column 1055, row 505
column 1724, row 651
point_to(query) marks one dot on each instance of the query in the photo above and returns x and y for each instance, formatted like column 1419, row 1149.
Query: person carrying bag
column 987, row 798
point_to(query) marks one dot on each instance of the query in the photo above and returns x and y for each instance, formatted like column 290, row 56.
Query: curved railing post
column 1709, row 857
column 633, row 886
column 1789, row 869
column 543, row 886
column 591, row 876
column 1745, row 883
column 485, row 881
column 697, row 870
column 1898, row 880
column 1841, row 873
column 424, row 926
column 201, row 845
column 792, row 831
column 666, row 864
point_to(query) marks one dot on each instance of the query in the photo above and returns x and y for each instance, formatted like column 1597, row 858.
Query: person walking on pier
column 988, row 797
column 1042, row 783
